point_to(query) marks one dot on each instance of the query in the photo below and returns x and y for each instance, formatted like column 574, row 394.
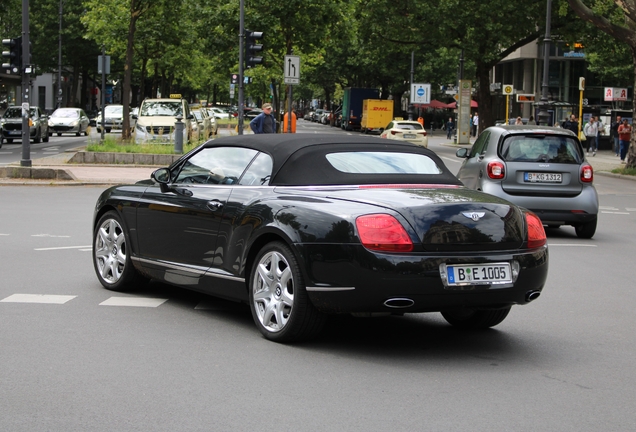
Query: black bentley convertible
column 303, row 226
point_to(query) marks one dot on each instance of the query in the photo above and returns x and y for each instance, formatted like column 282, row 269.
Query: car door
column 473, row 168
column 178, row 225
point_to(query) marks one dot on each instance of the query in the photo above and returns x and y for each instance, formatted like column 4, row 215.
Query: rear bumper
column 583, row 207
column 349, row 278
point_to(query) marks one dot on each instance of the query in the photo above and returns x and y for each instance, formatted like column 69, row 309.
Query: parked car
column 308, row 115
column 114, row 119
column 69, row 120
column 12, row 124
column 317, row 115
column 205, row 124
column 218, row 112
column 301, row 226
column 157, row 117
column 537, row 167
column 406, row 130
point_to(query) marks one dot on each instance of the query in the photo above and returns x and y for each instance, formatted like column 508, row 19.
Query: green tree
column 617, row 18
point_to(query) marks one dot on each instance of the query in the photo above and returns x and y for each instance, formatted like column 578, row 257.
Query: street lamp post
column 544, row 115
column 59, row 60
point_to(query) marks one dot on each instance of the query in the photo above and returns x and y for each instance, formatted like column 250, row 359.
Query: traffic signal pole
column 26, row 59
column 241, row 85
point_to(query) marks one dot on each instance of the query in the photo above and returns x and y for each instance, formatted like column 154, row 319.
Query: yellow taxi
column 406, row 130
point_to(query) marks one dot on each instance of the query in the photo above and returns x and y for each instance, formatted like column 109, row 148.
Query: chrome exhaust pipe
column 398, row 303
column 532, row 295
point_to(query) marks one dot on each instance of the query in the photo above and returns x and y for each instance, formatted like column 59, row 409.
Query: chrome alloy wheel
column 273, row 291
column 110, row 251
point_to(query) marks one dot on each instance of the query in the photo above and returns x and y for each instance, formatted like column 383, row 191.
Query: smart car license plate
column 477, row 274
column 543, row 177
column 409, row 136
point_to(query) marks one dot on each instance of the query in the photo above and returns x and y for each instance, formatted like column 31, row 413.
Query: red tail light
column 382, row 232
column 496, row 170
column 393, row 132
column 536, row 233
column 587, row 174
column 424, row 133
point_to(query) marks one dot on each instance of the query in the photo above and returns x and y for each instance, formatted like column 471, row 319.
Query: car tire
column 99, row 130
column 45, row 138
column 37, row 138
column 59, row 134
column 279, row 301
column 107, row 130
column 9, row 140
column 79, row 132
column 586, row 230
column 112, row 255
column 475, row 319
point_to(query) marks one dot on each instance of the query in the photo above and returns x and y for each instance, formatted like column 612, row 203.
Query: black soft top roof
column 299, row 159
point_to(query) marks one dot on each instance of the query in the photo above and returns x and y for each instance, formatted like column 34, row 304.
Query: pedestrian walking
column 591, row 135
column 531, row 121
column 265, row 121
column 449, row 128
column 615, row 137
column 624, row 135
column 475, row 123
column 571, row 124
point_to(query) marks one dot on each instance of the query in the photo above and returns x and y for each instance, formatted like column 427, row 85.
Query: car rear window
column 382, row 163
column 409, row 126
column 541, row 148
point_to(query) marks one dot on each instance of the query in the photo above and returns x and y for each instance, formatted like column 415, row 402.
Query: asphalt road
column 10, row 153
column 75, row 356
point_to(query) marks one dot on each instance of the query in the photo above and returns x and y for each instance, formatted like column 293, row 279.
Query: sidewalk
column 55, row 170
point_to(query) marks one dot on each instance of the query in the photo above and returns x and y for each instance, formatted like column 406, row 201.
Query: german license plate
column 477, row 274
column 409, row 136
column 15, row 132
column 543, row 177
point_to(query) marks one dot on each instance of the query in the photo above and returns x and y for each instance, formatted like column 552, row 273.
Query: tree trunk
column 134, row 15
column 483, row 91
column 630, row 159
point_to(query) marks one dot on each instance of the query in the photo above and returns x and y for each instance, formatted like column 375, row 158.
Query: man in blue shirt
column 265, row 121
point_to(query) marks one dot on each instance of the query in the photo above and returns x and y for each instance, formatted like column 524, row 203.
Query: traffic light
column 252, row 48
column 14, row 55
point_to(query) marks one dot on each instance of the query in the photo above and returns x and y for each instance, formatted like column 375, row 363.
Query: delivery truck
column 352, row 106
column 376, row 114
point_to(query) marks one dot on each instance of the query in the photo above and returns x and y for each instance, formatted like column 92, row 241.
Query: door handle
column 214, row 205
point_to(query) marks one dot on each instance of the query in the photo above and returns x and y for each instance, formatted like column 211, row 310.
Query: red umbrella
column 453, row 105
column 435, row 104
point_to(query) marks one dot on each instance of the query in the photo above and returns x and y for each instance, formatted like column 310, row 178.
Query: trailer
column 352, row 106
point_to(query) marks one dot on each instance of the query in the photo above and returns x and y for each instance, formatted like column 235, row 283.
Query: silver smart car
column 537, row 167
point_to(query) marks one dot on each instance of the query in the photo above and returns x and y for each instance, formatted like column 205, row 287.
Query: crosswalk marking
column 133, row 301
column 38, row 298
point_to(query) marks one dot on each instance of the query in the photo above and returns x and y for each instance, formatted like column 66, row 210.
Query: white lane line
column 2, row 234
column 49, row 235
column 614, row 212
column 133, row 301
column 58, row 248
column 630, row 209
column 608, row 208
column 37, row 298
column 571, row 245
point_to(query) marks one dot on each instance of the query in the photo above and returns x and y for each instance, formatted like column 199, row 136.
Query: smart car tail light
column 536, row 233
column 587, row 173
column 382, row 232
column 496, row 170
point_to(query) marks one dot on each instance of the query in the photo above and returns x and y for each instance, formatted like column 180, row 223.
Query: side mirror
column 462, row 152
column 161, row 176
column 135, row 116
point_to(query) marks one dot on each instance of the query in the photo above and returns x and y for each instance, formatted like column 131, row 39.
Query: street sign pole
column 26, row 59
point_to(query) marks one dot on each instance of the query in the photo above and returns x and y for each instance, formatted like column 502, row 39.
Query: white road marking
column 614, row 212
column 49, row 235
column 58, row 248
column 608, row 208
column 629, row 209
column 2, row 234
column 571, row 245
column 133, row 301
column 37, row 298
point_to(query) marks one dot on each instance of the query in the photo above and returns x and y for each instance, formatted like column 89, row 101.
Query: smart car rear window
column 541, row 148
column 382, row 163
